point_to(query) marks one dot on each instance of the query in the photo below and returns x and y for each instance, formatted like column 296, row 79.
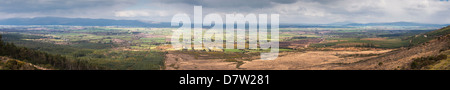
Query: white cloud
column 301, row 11
column 364, row 11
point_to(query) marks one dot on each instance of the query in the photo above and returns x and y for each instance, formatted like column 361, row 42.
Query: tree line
column 43, row 58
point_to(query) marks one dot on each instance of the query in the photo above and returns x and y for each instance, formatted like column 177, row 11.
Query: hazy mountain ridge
column 394, row 24
column 77, row 22
column 111, row 22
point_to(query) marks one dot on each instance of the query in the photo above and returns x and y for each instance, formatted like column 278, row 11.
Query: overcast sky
column 291, row 11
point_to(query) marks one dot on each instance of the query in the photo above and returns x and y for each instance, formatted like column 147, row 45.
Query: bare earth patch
column 285, row 61
column 306, row 61
column 374, row 39
column 179, row 61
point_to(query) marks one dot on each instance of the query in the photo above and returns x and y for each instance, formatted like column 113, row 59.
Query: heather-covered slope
column 433, row 44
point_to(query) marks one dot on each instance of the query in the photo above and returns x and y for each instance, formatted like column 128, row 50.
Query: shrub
column 423, row 62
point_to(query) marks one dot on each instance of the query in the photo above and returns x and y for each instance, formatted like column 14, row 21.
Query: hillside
column 422, row 38
column 441, row 64
column 18, row 54
column 436, row 43
column 14, row 64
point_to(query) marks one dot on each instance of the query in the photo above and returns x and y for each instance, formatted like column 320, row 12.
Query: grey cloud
column 27, row 6
column 285, row 1
column 231, row 3
column 292, row 11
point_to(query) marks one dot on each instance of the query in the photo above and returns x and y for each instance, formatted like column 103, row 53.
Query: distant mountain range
column 351, row 24
column 78, row 22
column 110, row 22
column 395, row 24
